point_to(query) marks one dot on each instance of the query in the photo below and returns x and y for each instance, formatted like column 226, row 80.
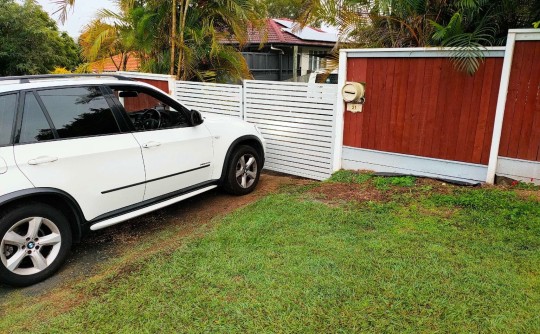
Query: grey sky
column 79, row 16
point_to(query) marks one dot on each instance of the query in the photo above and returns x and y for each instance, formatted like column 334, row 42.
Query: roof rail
column 27, row 78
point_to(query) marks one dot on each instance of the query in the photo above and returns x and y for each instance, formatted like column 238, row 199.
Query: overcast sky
column 78, row 16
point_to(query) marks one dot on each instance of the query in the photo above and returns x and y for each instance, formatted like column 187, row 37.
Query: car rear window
column 8, row 106
column 35, row 127
column 79, row 112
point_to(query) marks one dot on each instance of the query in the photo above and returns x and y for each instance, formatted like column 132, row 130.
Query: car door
column 11, row 178
column 69, row 139
column 177, row 156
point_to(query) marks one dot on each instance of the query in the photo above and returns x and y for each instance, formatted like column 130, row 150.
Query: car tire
column 35, row 239
column 243, row 171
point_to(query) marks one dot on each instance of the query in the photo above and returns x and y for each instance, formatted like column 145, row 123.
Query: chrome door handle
column 42, row 160
column 151, row 144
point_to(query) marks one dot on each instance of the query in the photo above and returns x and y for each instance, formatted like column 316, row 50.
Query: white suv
column 80, row 153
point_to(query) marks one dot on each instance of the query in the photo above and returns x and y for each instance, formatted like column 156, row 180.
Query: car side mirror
column 128, row 93
column 195, row 117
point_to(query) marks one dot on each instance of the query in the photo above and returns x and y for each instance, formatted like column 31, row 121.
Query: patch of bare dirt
column 364, row 192
column 438, row 186
column 344, row 192
column 529, row 194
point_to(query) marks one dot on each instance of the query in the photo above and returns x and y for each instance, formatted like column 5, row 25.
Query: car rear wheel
column 35, row 240
column 243, row 171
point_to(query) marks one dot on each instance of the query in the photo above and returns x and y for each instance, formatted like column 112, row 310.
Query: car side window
column 8, row 105
column 34, row 127
column 79, row 111
column 147, row 111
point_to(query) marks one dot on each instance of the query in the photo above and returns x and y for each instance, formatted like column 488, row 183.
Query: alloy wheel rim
column 30, row 246
column 246, row 171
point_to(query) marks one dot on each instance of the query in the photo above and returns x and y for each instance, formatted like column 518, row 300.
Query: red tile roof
column 277, row 35
column 106, row 65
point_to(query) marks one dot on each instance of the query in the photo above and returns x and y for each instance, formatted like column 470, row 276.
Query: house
column 112, row 64
column 282, row 45
column 283, row 48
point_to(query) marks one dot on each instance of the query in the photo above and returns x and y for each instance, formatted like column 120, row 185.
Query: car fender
column 78, row 226
column 228, row 133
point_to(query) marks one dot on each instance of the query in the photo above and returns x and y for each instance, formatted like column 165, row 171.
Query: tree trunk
column 181, row 74
column 114, row 63
column 125, row 59
column 173, row 38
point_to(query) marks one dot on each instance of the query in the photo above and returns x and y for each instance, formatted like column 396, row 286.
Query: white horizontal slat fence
column 298, row 122
column 221, row 99
column 296, row 119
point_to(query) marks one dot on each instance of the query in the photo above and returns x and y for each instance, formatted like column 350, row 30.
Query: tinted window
column 79, row 112
column 8, row 104
column 34, row 124
column 148, row 111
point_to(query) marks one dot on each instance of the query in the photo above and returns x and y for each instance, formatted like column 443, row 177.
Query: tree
column 180, row 37
column 100, row 40
column 202, row 25
column 290, row 9
column 467, row 25
column 30, row 42
column 71, row 52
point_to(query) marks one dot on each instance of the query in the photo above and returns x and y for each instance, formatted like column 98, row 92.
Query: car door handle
column 151, row 144
column 42, row 160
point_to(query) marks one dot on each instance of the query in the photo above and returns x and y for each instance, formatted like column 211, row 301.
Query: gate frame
column 513, row 36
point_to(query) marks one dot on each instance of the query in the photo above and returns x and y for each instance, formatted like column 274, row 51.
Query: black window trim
column 46, row 113
column 155, row 93
column 16, row 112
column 20, row 114
column 20, row 110
column 121, row 117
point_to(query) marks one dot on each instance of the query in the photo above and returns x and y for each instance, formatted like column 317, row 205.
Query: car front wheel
column 243, row 171
column 35, row 240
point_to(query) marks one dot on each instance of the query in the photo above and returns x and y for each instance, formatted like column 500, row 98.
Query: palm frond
column 62, row 8
column 469, row 47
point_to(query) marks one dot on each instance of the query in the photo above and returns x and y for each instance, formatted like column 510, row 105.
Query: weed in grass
column 385, row 183
column 347, row 176
column 298, row 189
column 526, row 186
column 493, row 207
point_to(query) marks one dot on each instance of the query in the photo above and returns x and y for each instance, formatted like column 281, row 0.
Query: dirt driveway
column 182, row 219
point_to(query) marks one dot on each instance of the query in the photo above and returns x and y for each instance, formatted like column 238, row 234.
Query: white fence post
column 172, row 85
column 501, row 105
column 339, row 123
column 243, row 105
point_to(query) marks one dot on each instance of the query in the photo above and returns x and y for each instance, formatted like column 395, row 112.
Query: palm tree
column 466, row 25
column 180, row 37
column 200, row 29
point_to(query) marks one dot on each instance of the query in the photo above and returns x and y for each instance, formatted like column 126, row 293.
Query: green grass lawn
column 422, row 258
